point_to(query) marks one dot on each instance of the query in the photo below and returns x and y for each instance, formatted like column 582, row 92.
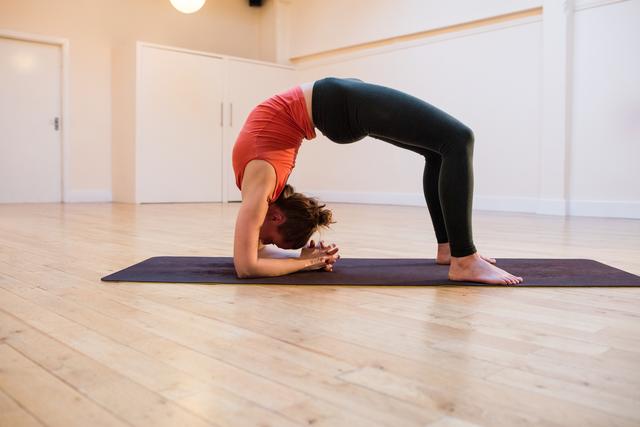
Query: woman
column 345, row 111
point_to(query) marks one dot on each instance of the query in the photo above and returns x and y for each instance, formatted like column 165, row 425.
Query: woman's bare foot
column 473, row 268
column 444, row 255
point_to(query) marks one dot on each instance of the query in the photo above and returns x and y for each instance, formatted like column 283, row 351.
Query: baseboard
column 87, row 196
column 609, row 209
column 615, row 209
column 403, row 199
column 517, row 204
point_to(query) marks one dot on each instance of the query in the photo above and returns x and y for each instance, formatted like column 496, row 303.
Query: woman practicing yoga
column 345, row 111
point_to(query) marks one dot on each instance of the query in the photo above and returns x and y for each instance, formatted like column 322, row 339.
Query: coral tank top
column 273, row 132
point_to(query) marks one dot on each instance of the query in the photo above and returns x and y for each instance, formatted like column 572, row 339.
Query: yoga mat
column 381, row 271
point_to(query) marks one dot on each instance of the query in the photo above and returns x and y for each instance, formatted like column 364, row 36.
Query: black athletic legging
column 347, row 110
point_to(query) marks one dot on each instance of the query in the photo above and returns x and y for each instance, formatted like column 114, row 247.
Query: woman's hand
column 321, row 257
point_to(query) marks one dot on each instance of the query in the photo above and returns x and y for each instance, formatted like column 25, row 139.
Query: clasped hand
column 321, row 257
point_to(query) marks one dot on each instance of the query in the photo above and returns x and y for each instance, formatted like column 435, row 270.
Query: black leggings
column 347, row 110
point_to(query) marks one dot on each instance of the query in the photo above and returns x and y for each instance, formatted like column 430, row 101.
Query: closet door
column 30, row 125
column 248, row 84
column 179, row 127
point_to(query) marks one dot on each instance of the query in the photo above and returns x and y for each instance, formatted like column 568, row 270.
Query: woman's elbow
column 243, row 275
column 243, row 271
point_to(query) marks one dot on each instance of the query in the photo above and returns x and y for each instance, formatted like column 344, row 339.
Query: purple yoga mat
column 377, row 271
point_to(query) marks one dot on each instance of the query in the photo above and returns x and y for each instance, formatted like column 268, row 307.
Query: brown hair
column 304, row 216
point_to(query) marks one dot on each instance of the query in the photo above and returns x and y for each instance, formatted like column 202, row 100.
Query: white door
column 179, row 140
column 248, row 84
column 30, row 102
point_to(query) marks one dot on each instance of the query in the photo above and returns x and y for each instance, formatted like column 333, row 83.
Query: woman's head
column 303, row 216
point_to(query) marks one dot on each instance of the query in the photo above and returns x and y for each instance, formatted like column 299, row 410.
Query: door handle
column 231, row 114
column 56, row 123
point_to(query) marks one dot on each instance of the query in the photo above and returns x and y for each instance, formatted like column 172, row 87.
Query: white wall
column 320, row 25
column 605, row 148
column 487, row 79
column 100, row 31
column 491, row 78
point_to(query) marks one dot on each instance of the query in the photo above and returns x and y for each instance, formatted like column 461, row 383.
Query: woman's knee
column 461, row 141
column 467, row 135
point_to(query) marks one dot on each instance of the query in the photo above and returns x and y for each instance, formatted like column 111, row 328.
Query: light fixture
column 187, row 6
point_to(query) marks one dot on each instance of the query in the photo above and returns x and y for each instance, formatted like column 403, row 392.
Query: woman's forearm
column 269, row 267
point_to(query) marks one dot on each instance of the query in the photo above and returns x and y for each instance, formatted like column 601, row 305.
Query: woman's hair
column 304, row 216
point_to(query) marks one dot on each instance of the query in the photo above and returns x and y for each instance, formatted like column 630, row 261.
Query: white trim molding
column 88, row 196
column 588, row 4
column 481, row 203
column 596, row 208
column 605, row 208
column 375, row 198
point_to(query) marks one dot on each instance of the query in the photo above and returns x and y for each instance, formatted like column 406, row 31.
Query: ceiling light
column 187, row 6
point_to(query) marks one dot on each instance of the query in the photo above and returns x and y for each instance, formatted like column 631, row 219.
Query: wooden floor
column 75, row 351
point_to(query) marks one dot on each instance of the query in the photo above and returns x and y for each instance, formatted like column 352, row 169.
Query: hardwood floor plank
column 471, row 395
column 55, row 402
column 273, row 360
column 446, row 386
column 579, row 393
column 14, row 415
column 267, row 393
column 167, row 354
column 315, row 412
column 109, row 388
column 451, row 422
